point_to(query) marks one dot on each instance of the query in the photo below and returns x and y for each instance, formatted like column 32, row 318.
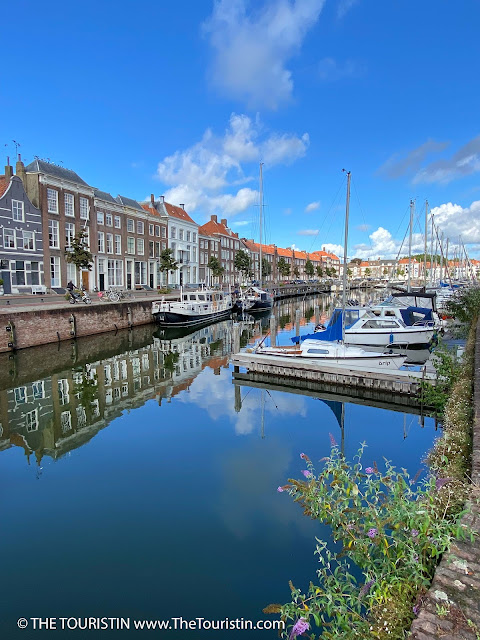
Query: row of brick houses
column 44, row 206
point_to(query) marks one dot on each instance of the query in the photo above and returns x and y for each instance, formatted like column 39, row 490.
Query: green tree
column 333, row 271
column 215, row 267
column 309, row 269
column 79, row 254
column 283, row 267
column 400, row 272
column 266, row 267
column 296, row 272
column 349, row 273
column 367, row 272
column 167, row 262
column 319, row 271
column 242, row 263
column 328, row 272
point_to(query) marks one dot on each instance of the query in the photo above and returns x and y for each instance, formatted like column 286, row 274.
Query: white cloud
column 384, row 245
column 337, row 249
column 363, row 227
column 454, row 220
column 251, row 50
column 308, row 232
column 241, row 223
column 400, row 164
column 330, row 70
column 463, row 163
column 344, row 7
column 312, row 206
column 200, row 175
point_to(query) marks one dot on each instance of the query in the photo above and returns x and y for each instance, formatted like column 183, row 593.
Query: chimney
column 213, row 218
column 182, row 206
column 8, row 170
column 152, row 200
column 20, row 169
column 162, row 199
column 224, row 222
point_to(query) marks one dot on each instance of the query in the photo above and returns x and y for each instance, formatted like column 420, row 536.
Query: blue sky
column 186, row 98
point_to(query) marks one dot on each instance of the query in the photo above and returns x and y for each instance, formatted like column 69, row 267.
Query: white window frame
column 69, row 204
column 140, row 246
column 31, row 421
column 109, row 220
column 9, row 233
column 140, row 227
column 101, row 242
column 31, row 240
column 69, row 236
column 18, row 211
column 130, row 225
column 151, row 230
column 54, row 241
column 118, row 244
column 131, row 245
column 117, row 222
column 55, row 271
column 109, row 242
column 84, row 208
column 100, row 217
column 52, row 200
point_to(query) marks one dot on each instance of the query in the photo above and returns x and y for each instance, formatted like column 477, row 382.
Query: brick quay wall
column 33, row 326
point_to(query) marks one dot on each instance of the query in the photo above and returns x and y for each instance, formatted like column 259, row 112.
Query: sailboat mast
column 410, row 247
column 344, row 292
column 431, row 257
column 425, row 248
column 261, row 221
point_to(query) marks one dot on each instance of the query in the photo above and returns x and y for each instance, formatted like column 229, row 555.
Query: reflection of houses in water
column 64, row 411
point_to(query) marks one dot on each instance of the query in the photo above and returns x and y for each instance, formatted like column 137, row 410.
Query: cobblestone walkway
column 455, row 589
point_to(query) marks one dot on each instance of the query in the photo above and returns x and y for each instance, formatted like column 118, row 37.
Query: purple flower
column 332, row 440
column 415, row 557
column 372, row 533
column 350, row 526
column 280, row 489
column 303, row 456
column 440, row 482
column 366, row 588
column 415, row 610
column 299, row 628
column 414, row 533
column 369, row 470
column 306, row 473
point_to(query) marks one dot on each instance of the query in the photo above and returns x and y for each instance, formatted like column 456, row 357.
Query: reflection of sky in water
column 173, row 510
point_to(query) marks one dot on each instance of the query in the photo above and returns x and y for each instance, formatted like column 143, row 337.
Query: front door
column 101, row 281
column 85, row 279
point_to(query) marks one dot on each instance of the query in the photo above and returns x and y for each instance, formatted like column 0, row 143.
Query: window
column 100, row 217
column 109, row 242
column 101, row 242
column 130, row 225
column 180, row 234
column 151, row 229
column 188, row 236
column 69, row 234
column 119, row 272
column 164, row 232
column 115, row 273
column 18, row 276
column 157, row 249
column 130, row 245
column 69, row 211
column 151, row 249
column 9, row 239
column 109, row 220
column 17, row 210
column 140, row 246
column 173, row 232
column 118, row 223
column 53, row 239
column 194, row 254
column 157, row 230
column 31, row 420
column 38, row 390
column 29, row 240
column 63, row 391
column 34, row 273
column 66, row 421
column 83, row 208
column 72, row 272
column 164, row 246
column 86, row 240
column 118, row 245
column 52, row 199
column 140, row 227
column 20, row 395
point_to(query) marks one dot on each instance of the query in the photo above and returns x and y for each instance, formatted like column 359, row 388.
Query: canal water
column 140, row 483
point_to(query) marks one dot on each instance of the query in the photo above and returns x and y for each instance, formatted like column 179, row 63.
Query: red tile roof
column 286, row 253
column 177, row 212
column 4, row 183
column 211, row 227
column 150, row 210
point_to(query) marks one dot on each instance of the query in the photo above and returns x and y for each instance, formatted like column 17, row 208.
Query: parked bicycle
column 114, row 295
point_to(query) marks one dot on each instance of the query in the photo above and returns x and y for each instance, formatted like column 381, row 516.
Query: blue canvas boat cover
column 332, row 333
column 409, row 319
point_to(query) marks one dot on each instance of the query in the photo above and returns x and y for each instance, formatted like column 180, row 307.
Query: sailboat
column 258, row 298
column 329, row 347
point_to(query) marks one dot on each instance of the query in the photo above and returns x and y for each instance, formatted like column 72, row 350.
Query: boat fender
column 391, row 338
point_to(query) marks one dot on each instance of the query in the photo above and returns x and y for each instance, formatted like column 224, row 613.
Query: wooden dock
column 403, row 382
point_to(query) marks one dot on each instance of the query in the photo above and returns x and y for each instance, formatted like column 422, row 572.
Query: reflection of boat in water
column 194, row 308
column 258, row 300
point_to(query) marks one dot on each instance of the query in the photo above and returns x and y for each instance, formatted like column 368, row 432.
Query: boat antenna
column 425, row 248
column 344, row 292
column 409, row 281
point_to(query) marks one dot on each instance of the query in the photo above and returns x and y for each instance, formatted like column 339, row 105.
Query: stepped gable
column 41, row 166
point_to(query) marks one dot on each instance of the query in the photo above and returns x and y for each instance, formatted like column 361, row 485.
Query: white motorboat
column 193, row 309
column 258, row 299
